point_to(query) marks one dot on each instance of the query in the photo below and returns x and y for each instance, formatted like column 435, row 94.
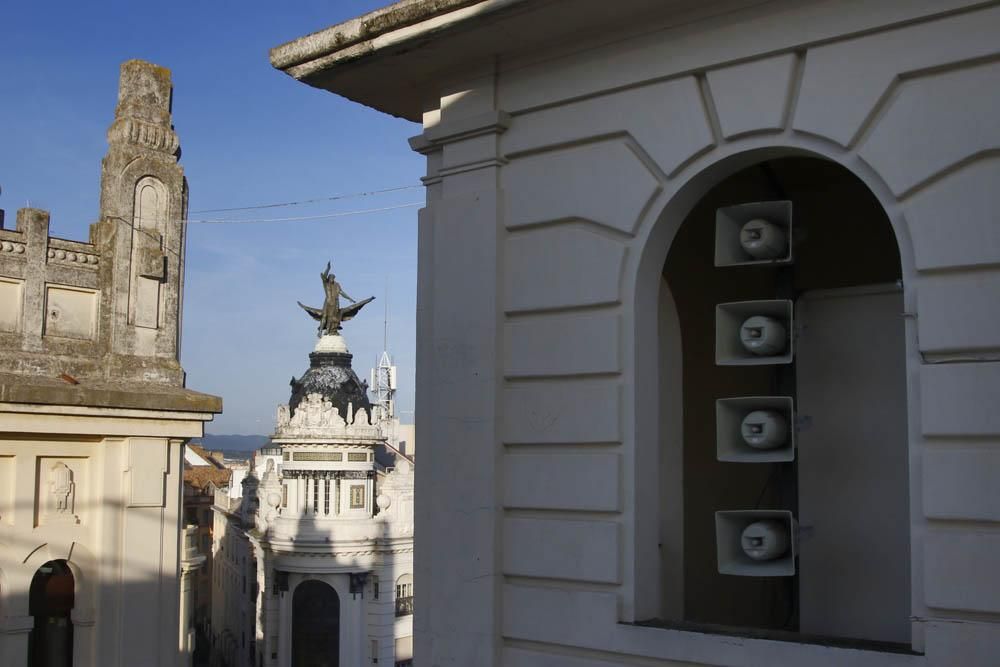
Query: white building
column 95, row 568
column 317, row 556
column 582, row 292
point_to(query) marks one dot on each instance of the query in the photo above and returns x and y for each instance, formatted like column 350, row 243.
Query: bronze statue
column 331, row 315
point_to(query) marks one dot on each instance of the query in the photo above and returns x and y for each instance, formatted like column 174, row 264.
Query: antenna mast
column 383, row 378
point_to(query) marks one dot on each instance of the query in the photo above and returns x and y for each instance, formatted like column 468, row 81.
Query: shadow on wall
column 56, row 609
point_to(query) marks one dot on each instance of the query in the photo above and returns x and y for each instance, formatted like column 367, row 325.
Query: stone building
column 204, row 474
column 651, row 229
column 94, row 413
column 318, row 551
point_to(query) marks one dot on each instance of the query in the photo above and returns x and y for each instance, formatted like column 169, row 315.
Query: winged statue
column 331, row 315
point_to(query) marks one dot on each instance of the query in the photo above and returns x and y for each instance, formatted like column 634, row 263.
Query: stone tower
column 143, row 200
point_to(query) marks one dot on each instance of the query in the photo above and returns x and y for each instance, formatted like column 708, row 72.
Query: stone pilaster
column 459, row 241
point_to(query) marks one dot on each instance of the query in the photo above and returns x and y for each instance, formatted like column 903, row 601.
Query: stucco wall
column 554, row 190
column 118, row 531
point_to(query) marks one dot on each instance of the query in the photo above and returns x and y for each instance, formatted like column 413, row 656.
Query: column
column 336, row 493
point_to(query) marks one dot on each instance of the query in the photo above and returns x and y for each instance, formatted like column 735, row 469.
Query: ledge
column 42, row 391
column 366, row 27
column 350, row 58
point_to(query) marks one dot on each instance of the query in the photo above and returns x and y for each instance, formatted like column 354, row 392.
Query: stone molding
column 144, row 134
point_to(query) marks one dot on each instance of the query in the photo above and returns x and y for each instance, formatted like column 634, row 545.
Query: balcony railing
column 404, row 606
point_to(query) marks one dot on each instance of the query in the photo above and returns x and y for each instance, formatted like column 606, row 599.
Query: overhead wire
column 350, row 195
column 300, row 218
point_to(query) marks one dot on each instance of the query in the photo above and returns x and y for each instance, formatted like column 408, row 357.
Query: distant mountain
column 237, row 443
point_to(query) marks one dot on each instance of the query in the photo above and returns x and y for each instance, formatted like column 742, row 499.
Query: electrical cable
column 300, row 202
column 302, row 218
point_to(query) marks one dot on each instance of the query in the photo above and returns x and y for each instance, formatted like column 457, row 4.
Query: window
column 284, row 495
column 374, row 650
column 404, row 595
column 375, row 587
column 357, row 496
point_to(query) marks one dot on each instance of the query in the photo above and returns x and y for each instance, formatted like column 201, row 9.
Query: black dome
column 330, row 375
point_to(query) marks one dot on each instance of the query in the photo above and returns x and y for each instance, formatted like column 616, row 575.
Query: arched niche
column 848, row 246
column 51, row 601
column 315, row 625
column 149, row 223
column 151, row 205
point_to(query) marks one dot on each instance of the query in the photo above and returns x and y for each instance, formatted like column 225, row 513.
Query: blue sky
column 250, row 135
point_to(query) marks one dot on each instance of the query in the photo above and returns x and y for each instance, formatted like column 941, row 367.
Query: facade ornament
column 268, row 498
column 62, row 492
column 61, row 487
column 317, row 416
column 331, row 315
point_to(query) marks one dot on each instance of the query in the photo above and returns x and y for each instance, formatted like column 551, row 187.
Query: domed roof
column 330, row 375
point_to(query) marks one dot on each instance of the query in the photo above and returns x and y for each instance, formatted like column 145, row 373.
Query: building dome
column 331, row 376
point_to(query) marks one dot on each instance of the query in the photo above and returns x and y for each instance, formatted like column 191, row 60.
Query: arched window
column 404, row 595
column 831, row 492
column 315, row 625
column 50, row 602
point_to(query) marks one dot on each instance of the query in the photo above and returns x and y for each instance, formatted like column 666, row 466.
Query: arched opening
column 837, row 484
column 50, row 602
column 315, row 625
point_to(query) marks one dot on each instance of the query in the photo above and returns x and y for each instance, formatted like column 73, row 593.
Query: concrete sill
column 781, row 636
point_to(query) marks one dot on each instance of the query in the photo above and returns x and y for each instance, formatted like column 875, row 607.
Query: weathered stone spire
column 143, row 201
column 142, row 115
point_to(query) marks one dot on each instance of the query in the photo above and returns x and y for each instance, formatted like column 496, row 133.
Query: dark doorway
column 50, row 603
column 315, row 625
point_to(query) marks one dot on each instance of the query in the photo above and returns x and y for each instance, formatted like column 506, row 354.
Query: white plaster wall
column 541, row 244
column 122, row 539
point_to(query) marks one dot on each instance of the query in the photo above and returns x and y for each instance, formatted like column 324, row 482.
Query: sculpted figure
column 61, row 483
column 331, row 315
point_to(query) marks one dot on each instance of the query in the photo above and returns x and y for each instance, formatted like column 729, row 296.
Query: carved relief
column 70, row 257
column 316, row 416
column 142, row 133
column 269, row 497
column 12, row 247
column 59, row 486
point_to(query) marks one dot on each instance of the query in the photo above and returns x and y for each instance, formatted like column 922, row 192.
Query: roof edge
column 346, row 41
column 138, row 397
